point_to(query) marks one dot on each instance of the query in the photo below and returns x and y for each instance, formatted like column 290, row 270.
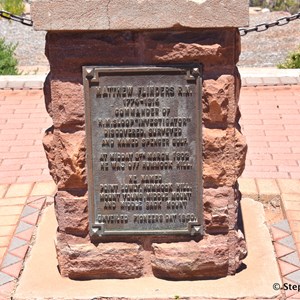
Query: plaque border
column 91, row 75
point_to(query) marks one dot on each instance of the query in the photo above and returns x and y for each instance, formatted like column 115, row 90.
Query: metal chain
column 265, row 26
column 10, row 16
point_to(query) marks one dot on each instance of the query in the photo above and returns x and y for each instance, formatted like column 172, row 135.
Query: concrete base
column 41, row 279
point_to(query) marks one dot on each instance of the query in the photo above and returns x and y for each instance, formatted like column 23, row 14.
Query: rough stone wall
column 222, row 248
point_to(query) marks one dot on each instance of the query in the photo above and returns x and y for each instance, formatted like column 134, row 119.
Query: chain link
column 265, row 26
column 10, row 16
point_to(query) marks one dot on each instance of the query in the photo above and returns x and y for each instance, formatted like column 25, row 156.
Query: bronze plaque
column 143, row 128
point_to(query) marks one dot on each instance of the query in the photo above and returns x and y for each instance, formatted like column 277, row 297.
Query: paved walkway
column 271, row 123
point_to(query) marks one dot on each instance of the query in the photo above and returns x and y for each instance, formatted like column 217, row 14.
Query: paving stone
column 288, row 242
column 26, row 235
column 5, row 278
column 289, row 186
column 296, row 296
column 4, row 241
column 291, row 197
column 13, row 201
column 6, row 290
column 292, row 258
column 289, row 292
column 3, row 189
column 32, row 219
column 34, row 198
column 20, row 252
column 282, row 250
column 267, row 189
column 44, row 189
column 9, row 259
column 23, row 226
column 248, row 188
column 38, row 203
column 19, row 190
column 13, row 270
column 28, row 210
column 295, row 277
column 283, row 225
column 292, row 215
column 16, row 243
column 278, row 234
column 286, row 268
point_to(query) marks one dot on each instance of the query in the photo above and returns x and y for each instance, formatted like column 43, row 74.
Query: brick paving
column 270, row 122
column 23, row 120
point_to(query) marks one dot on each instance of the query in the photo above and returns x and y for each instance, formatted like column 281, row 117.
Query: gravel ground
column 265, row 49
column 268, row 48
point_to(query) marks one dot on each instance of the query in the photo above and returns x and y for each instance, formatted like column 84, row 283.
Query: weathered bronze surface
column 143, row 128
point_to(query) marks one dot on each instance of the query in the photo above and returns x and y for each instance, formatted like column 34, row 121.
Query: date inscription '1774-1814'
column 143, row 128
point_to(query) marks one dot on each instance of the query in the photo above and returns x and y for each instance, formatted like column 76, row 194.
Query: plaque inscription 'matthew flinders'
column 143, row 127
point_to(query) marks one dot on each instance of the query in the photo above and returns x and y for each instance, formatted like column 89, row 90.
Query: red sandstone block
column 17, row 121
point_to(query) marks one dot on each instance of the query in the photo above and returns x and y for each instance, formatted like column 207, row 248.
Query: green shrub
column 292, row 6
column 292, row 61
column 8, row 62
column 16, row 7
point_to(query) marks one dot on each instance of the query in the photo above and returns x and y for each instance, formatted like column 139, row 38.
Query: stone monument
column 145, row 146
